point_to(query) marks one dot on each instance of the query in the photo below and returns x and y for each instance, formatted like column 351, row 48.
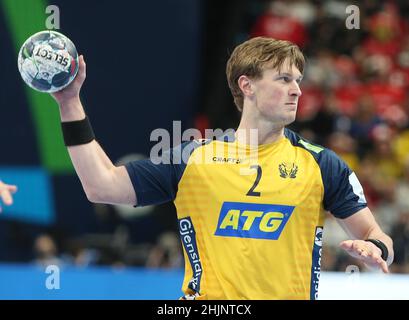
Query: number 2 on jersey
column 251, row 192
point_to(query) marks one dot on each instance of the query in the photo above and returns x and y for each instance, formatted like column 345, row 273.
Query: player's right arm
column 103, row 182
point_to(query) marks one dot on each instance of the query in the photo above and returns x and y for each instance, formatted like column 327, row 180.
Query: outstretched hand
column 367, row 252
column 6, row 192
column 72, row 91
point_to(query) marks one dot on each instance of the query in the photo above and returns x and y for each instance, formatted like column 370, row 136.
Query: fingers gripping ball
column 48, row 61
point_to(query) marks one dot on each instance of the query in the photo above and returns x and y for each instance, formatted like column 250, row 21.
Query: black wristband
column 77, row 132
column 382, row 246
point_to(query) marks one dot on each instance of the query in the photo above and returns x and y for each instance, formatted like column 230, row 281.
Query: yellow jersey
column 250, row 219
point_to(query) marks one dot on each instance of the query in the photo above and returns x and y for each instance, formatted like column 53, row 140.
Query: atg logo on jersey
column 253, row 220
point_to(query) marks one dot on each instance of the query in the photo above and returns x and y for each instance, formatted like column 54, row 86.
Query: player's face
column 276, row 94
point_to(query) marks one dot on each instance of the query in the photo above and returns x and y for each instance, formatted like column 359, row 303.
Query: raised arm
column 102, row 181
column 360, row 227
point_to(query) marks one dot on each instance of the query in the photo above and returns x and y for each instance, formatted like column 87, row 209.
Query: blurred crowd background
column 355, row 101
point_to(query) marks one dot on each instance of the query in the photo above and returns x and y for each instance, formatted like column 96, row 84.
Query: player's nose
column 295, row 89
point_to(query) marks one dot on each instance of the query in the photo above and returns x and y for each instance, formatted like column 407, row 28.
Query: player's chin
column 282, row 119
column 289, row 118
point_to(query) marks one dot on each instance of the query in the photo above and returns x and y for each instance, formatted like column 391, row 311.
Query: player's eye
column 286, row 79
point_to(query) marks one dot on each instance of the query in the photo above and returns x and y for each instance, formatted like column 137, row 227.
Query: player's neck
column 258, row 132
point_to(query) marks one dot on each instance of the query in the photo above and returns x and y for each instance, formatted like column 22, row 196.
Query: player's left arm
column 360, row 227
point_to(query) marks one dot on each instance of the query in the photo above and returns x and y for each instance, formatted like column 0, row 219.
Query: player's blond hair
column 253, row 56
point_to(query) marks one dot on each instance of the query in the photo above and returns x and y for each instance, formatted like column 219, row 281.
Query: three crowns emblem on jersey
column 288, row 170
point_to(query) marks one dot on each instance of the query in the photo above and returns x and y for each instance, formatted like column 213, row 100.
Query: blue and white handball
column 48, row 61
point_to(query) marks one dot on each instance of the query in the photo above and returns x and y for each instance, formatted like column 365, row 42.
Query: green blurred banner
column 24, row 18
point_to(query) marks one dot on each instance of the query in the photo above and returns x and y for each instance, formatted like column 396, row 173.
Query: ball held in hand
column 48, row 61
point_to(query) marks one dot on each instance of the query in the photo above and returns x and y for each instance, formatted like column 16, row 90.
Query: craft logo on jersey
column 227, row 160
column 288, row 170
column 253, row 220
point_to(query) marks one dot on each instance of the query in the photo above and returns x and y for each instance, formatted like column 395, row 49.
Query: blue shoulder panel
column 156, row 180
column 343, row 194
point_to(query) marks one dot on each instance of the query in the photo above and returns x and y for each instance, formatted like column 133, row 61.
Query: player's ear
column 244, row 83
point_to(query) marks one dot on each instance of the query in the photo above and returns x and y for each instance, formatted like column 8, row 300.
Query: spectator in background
column 6, row 192
column 45, row 251
column 386, row 29
column 277, row 23
column 400, row 235
column 401, row 146
column 387, row 211
column 167, row 253
column 342, row 144
column 76, row 253
column 387, row 164
column 400, row 231
column 402, row 191
column 363, row 123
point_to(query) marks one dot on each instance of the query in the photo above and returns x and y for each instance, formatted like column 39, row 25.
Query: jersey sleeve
column 343, row 194
column 156, row 180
